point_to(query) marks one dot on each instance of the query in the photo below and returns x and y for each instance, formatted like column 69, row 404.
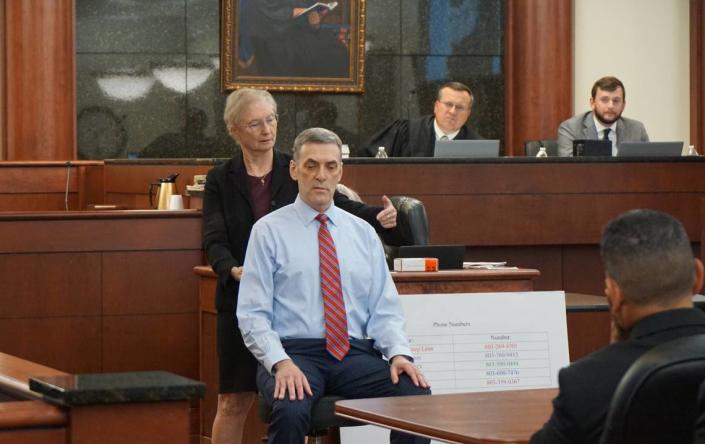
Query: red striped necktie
column 337, row 342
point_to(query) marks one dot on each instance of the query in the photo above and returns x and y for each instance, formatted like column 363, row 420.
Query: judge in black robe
column 417, row 137
column 411, row 138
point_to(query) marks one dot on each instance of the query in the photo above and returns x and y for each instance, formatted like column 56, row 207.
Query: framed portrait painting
column 293, row 45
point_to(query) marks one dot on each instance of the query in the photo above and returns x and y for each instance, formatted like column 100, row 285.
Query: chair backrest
column 412, row 227
column 700, row 424
column 412, row 223
column 655, row 401
column 531, row 147
column 412, row 220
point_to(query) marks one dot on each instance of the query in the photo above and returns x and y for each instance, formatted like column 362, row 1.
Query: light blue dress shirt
column 280, row 291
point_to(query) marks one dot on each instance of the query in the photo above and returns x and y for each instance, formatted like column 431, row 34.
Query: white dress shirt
column 439, row 132
column 612, row 135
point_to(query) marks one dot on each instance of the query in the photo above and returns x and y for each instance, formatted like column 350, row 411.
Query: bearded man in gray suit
column 604, row 121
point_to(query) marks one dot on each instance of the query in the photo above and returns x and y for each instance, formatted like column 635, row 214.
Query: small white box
column 416, row 264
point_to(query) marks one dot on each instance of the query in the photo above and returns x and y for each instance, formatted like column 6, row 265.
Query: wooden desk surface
column 15, row 373
column 443, row 275
column 466, row 275
column 485, row 417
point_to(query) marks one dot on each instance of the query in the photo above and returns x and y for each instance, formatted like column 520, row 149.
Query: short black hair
column 649, row 255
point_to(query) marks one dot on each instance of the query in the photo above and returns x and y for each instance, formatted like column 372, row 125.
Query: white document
column 474, row 342
column 319, row 6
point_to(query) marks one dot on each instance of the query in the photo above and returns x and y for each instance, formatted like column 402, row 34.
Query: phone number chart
column 492, row 361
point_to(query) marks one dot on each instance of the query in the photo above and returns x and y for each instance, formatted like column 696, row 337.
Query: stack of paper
column 487, row 265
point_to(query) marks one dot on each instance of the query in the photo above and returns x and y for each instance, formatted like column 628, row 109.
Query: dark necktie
column 606, row 134
column 337, row 342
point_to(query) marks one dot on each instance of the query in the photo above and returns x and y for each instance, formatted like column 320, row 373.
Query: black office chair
column 412, row 223
column 412, row 227
column 323, row 419
column 411, row 220
column 655, row 401
column 531, row 147
column 700, row 423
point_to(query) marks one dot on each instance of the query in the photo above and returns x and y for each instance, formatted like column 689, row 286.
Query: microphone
column 66, row 193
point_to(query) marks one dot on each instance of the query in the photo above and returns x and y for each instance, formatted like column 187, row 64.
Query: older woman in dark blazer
column 237, row 193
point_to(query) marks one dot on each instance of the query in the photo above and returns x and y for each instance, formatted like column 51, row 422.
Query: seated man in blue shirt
column 318, row 308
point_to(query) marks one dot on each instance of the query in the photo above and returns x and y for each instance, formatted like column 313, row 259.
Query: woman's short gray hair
column 315, row 135
column 238, row 101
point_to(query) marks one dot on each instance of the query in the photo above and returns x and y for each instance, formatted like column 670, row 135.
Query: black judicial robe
column 411, row 138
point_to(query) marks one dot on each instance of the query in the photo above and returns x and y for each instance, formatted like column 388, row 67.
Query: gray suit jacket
column 582, row 126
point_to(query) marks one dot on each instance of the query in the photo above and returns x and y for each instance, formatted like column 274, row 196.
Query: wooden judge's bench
column 545, row 214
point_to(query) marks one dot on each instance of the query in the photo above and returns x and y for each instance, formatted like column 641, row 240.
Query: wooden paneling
column 587, row 332
column 70, row 343
column 525, row 176
column 40, row 80
column 101, row 291
column 151, row 342
column 36, row 202
column 465, row 281
column 532, row 214
column 547, row 259
column 62, row 284
column 37, row 177
column 519, row 210
column 100, row 231
column 582, row 268
column 128, row 184
column 34, row 436
column 149, row 422
column 538, row 70
column 91, row 186
column 551, row 219
column 42, row 186
column 3, row 85
column 160, row 282
column 208, row 367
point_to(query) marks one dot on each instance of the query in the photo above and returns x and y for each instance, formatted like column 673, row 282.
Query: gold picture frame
column 263, row 47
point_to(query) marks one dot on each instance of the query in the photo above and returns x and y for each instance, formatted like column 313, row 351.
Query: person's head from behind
column 608, row 99
column 317, row 166
column 649, row 266
column 453, row 106
column 251, row 118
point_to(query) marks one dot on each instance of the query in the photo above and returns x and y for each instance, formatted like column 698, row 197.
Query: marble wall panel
column 131, row 26
column 383, row 27
column 148, row 75
column 452, row 27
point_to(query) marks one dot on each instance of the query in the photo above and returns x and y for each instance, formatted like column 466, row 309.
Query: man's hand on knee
column 402, row 365
column 288, row 377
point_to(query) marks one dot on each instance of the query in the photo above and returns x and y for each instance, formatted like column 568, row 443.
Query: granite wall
column 148, row 75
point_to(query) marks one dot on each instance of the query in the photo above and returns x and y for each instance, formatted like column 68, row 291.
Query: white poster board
column 469, row 342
